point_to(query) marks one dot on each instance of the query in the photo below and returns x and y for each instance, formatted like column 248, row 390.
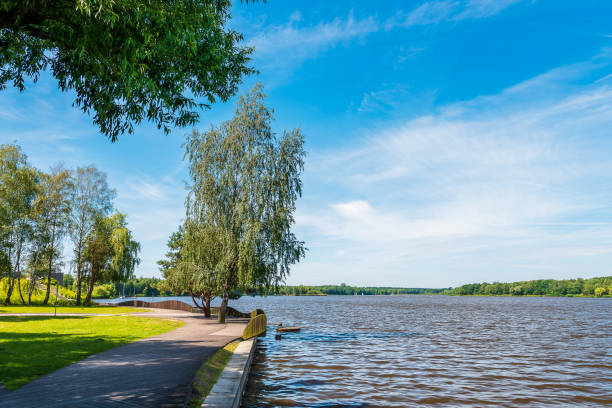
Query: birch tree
column 244, row 185
column 91, row 198
column 17, row 192
column 53, row 207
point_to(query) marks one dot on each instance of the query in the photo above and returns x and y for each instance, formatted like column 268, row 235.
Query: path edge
column 234, row 377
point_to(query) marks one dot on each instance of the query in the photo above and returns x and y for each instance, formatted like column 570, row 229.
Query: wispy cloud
column 282, row 47
column 296, row 43
column 435, row 12
column 512, row 182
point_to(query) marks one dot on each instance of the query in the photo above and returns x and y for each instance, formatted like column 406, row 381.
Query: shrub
column 257, row 326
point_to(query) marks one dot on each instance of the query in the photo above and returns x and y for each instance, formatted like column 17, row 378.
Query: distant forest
column 344, row 289
column 542, row 287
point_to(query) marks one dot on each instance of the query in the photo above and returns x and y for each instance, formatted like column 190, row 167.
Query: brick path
column 153, row 372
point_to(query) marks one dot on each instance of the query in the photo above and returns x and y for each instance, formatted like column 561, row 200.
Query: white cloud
column 147, row 190
column 510, row 185
column 294, row 43
column 435, row 12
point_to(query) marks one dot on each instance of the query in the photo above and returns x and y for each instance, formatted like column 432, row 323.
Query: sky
column 449, row 142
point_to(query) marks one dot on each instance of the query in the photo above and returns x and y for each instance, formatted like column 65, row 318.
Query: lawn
column 209, row 373
column 31, row 346
column 70, row 309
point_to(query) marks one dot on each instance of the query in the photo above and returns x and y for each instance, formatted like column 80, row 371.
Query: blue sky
column 449, row 141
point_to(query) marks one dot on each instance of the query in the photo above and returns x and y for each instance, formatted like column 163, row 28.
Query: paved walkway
column 153, row 372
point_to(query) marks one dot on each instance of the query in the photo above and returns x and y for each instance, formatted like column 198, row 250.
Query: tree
column 126, row 60
column 17, row 191
column 173, row 256
column 244, row 185
column 189, row 266
column 52, row 206
column 91, row 198
column 111, row 252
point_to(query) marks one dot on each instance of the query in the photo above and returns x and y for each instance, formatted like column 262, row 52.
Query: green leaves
column 245, row 182
column 126, row 60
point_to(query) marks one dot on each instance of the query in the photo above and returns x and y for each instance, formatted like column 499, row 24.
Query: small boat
column 288, row 329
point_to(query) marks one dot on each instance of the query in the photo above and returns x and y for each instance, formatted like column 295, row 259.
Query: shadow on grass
column 150, row 373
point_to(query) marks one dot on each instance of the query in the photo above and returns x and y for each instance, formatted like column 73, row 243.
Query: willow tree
column 245, row 181
column 111, row 252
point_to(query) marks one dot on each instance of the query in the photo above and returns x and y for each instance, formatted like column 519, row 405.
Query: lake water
column 399, row 351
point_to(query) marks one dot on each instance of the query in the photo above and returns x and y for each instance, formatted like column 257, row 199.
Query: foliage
column 111, row 252
column 91, row 199
column 143, row 287
column 37, row 295
column 244, row 185
column 256, row 326
column 50, row 213
column 106, row 291
column 173, row 256
column 189, row 266
column 541, row 287
column 209, row 372
column 38, row 209
column 35, row 345
column 126, row 60
column 18, row 185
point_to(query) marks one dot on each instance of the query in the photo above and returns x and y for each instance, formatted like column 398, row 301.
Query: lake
column 398, row 351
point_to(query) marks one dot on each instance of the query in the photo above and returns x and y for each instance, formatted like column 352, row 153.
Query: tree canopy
column 38, row 210
column 244, row 185
column 126, row 60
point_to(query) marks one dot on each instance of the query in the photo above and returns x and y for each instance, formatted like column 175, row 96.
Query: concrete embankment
column 228, row 390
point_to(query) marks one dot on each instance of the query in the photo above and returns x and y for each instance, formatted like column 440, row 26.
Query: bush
column 104, row 291
column 600, row 291
column 38, row 296
column 257, row 326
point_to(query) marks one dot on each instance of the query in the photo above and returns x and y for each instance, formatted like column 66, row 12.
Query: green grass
column 70, row 309
column 31, row 346
column 209, row 373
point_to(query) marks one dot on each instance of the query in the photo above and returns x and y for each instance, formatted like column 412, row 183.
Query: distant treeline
column 344, row 289
column 543, row 287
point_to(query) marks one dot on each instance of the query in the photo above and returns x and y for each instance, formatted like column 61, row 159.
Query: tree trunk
column 48, row 287
column 79, row 276
column 50, row 268
column 223, row 307
column 205, row 306
column 92, row 280
column 11, row 282
column 207, row 301
column 19, row 288
column 30, row 290
column 18, row 265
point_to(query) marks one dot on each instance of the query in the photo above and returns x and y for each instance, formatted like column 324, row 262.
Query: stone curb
column 227, row 391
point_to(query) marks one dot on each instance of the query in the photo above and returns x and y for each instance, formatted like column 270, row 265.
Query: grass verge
column 70, row 309
column 209, row 373
column 31, row 346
